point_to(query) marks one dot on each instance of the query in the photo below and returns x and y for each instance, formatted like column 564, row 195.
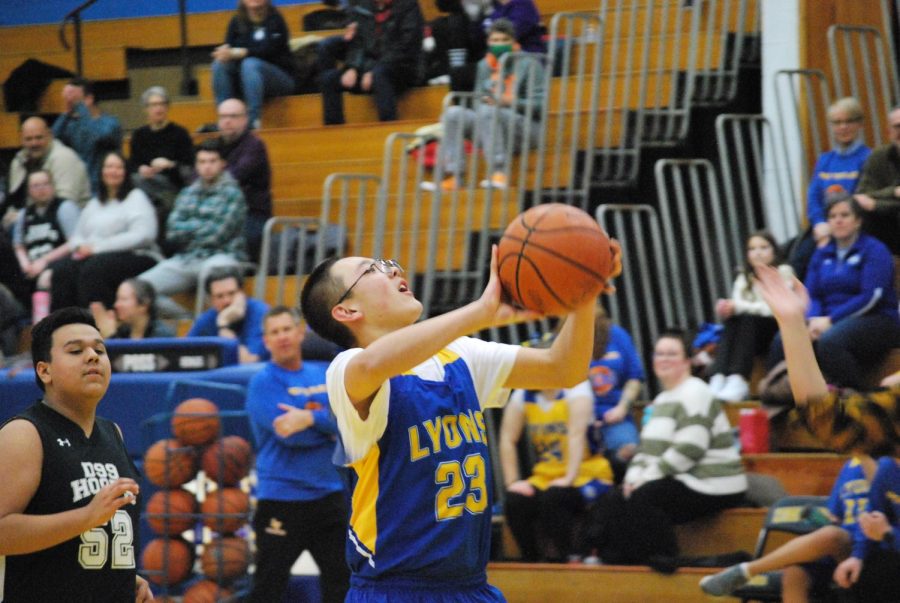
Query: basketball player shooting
column 409, row 397
column 68, row 512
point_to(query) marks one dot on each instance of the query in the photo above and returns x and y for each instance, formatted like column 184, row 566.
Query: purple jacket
column 524, row 15
column 248, row 162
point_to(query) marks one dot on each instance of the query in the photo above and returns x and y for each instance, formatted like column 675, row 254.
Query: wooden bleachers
column 540, row 583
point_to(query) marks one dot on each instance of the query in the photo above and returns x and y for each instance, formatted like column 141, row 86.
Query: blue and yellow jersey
column 421, row 472
column 850, row 497
column 547, row 424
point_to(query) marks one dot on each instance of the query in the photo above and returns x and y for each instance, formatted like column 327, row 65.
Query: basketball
column 225, row 510
column 225, row 559
column 169, row 512
column 196, row 422
column 228, row 460
column 167, row 561
column 205, row 591
column 168, row 464
column 555, row 257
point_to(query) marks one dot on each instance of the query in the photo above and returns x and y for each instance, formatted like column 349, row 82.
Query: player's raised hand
column 498, row 311
column 787, row 302
column 110, row 499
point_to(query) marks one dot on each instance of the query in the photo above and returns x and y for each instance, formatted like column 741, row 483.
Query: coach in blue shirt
column 301, row 503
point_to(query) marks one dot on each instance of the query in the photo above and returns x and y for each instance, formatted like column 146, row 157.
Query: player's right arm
column 20, row 474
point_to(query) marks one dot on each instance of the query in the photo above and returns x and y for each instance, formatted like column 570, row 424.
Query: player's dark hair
column 210, row 145
column 278, row 311
column 42, row 333
column 320, row 293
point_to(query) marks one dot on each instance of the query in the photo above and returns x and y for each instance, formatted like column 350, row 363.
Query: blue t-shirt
column 298, row 467
column 249, row 330
column 850, row 497
column 609, row 374
column 884, row 496
column 834, row 167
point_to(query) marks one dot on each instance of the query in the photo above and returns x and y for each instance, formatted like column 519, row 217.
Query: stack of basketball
column 171, row 463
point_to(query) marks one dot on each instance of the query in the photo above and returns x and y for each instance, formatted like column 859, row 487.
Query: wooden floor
column 548, row 583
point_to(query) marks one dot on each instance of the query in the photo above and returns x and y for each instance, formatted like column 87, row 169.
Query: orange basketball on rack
column 225, row 559
column 196, row 422
column 227, row 461
column 167, row 561
column 225, row 510
column 171, row 512
column 205, row 591
column 554, row 258
column 168, row 463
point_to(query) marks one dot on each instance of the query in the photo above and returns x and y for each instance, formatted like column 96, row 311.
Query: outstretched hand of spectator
column 786, row 301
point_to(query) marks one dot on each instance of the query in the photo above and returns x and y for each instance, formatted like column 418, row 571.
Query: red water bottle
column 754, row 429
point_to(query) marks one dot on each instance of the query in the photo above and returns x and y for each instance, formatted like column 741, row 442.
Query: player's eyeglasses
column 384, row 266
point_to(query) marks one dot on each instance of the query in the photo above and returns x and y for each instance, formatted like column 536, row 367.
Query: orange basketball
column 225, row 510
column 228, row 460
column 167, row 561
column 555, row 257
column 225, row 559
column 168, row 464
column 205, row 591
column 196, row 422
column 170, row 512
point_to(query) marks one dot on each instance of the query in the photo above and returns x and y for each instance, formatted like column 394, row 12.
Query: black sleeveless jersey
column 99, row 565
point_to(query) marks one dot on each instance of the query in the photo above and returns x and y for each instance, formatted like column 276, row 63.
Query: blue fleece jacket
column 860, row 283
column 249, row 330
column 298, row 467
column 842, row 167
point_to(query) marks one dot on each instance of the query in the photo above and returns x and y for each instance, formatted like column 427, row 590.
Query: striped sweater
column 688, row 437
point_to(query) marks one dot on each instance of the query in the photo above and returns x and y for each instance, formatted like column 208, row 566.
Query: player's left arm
column 565, row 363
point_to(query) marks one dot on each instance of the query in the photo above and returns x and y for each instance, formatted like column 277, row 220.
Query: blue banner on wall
column 21, row 12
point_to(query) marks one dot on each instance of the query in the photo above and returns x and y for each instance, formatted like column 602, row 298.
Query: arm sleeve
column 18, row 231
column 141, row 228
column 176, row 231
column 263, row 398
column 107, row 131
column 489, row 364
column 249, row 159
column 634, row 367
column 812, row 285
column 815, row 195
column 531, row 97
column 689, row 445
column 357, row 435
column 875, row 278
column 205, row 325
column 67, row 216
column 80, row 235
column 252, row 333
column 877, row 179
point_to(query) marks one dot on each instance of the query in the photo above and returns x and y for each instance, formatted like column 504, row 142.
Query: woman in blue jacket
column 852, row 316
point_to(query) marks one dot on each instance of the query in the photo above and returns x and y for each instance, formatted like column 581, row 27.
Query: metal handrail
column 74, row 16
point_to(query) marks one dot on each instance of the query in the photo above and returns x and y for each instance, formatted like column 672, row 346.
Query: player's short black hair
column 220, row 274
column 42, row 333
column 320, row 293
column 210, row 145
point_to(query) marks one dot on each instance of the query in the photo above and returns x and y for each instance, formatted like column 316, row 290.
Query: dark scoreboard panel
column 171, row 355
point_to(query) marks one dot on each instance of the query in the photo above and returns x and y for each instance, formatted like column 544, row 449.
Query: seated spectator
column 875, row 575
column 42, row 229
column 878, row 192
column 255, row 60
column 133, row 315
column 114, row 240
column 749, row 325
column 40, row 151
column 88, row 130
column 686, row 466
column 248, row 162
column 526, row 20
column 204, row 229
column 506, row 101
column 616, row 375
column 458, row 43
column 382, row 56
column 161, row 152
column 566, row 476
column 838, row 169
column 233, row 314
column 852, row 317
column 810, row 561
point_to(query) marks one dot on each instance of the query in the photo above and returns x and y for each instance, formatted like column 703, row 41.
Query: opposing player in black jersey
column 68, row 522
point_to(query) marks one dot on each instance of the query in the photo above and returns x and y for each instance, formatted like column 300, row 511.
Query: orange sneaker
column 497, row 180
column 450, row 183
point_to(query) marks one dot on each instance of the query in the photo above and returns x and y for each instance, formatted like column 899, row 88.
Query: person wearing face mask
column 517, row 91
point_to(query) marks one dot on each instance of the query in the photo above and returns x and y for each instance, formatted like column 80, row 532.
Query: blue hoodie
column 838, row 166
